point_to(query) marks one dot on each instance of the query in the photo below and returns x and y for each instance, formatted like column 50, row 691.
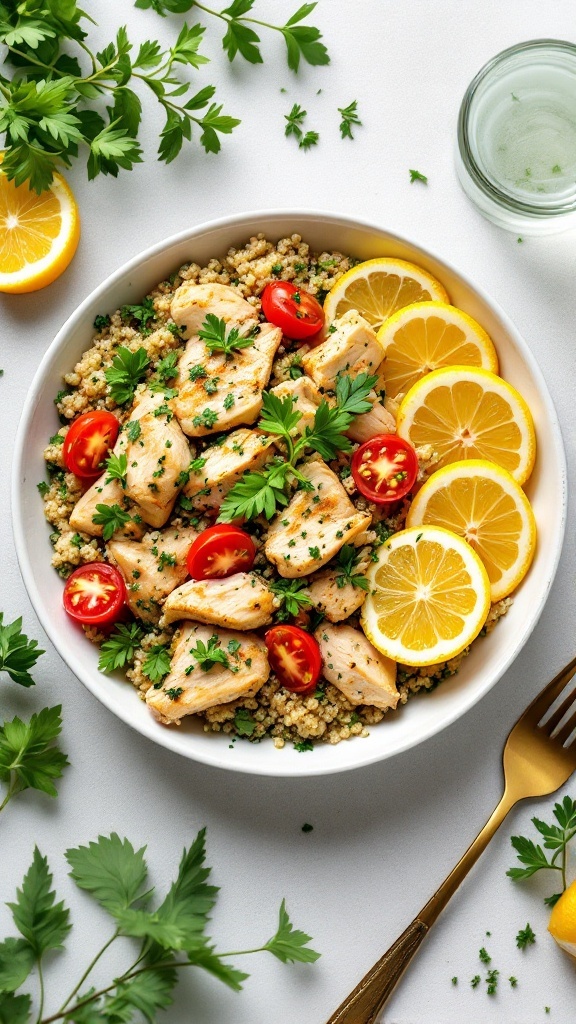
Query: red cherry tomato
column 88, row 442
column 385, row 468
column 95, row 594
column 296, row 312
column 220, row 551
column 294, row 657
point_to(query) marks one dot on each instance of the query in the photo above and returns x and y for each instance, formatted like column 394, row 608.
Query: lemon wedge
column 469, row 413
column 38, row 234
column 378, row 288
column 429, row 596
column 425, row 336
column 482, row 503
column 562, row 924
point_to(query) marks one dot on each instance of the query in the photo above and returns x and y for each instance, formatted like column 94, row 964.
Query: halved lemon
column 426, row 335
column 562, row 924
column 378, row 288
column 429, row 596
column 470, row 413
column 38, row 234
column 482, row 503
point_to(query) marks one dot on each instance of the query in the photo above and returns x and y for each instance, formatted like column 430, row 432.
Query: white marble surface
column 383, row 837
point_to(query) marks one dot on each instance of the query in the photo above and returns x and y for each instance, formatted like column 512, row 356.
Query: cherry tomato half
column 94, row 594
column 385, row 468
column 88, row 442
column 220, row 551
column 295, row 311
column 294, row 657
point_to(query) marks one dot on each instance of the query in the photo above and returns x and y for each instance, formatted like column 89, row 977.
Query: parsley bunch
column 556, row 838
column 169, row 936
column 265, row 490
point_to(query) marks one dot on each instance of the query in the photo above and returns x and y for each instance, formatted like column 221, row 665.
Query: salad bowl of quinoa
column 197, row 529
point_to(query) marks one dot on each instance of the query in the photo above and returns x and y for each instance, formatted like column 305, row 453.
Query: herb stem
column 39, row 63
column 41, row 997
column 87, row 50
column 89, row 969
column 225, row 17
column 208, row 10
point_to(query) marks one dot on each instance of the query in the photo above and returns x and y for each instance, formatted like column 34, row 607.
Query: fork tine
column 555, row 719
column 542, row 703
column 566, row 730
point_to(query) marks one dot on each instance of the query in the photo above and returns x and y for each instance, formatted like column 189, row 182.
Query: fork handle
column 364, row 1003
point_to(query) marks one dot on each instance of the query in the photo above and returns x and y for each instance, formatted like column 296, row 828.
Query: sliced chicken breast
column 351, row 348
column 335, row 603
column 351, row 663
column 314, row 525
column 241, row 601
column 152, row 568
column 224, row 464
column 369, row 424
column 216, row 392
column 102, row 493
column 189, row 688
column 157, row 458
column 192, row 302
column 306, row 398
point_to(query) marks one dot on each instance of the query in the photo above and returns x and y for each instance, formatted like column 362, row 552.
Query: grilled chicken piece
column 369, row 424
column 241, row 601
column 318, row 522
column 306, row 398
column 238, row 379
column 225, row 463
column 152, row 568
column 351, row 348
column 156, row 459
column 336, row 603
column 192, row 302
column 351, row 663
column 189, row 688
column 102, row 493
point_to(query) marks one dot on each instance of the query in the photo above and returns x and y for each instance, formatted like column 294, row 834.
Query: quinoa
column 324, row 715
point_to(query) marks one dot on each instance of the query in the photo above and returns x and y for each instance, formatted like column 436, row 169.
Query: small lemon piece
column 482, row 503
column 562, row 924
column 429, row 596
column 466, row 412
column 38, row 234
column 377, row 288
column 425, row 336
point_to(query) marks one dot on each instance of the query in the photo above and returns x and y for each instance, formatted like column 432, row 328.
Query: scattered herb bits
column 417, row 176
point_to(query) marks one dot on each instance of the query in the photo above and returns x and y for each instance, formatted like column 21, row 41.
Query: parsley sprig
column 349, row 119
column 171, row 934
column 210, row 654
column 156, row 664
column 120, row 647
column 50, row 110
column 128, row 369
column 293, row 597
column 302, row 41
column 213, row 334
column 117, row 468
column 265, row 490
column 29, row 755
column 18, row 654
column 346, row 561
column 294, row 127
column 556, row 838
column 111, row 518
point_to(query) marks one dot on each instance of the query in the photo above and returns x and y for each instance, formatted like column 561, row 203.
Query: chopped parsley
column 101, row 322
column 245, row 724
column 525, row 937
column 206, row 419
column 417, row 176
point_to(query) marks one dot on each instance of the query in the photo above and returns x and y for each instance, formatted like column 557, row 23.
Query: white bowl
column 423, row 716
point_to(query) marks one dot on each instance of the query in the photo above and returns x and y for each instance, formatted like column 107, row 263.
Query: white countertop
column 385, row 836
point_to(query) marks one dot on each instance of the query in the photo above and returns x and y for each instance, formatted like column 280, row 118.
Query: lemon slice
column 482, row 503
column 38, row 234
column 378, row 288
column 470, row 413
column 429, row 596
column 426, row 335
column 562, row 924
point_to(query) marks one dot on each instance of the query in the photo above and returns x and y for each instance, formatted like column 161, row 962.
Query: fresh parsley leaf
column 210, row 654
column 244, row 722
column 416, row 176
column 39, row 919
column 111, row 517
column 525, row 937
column 127, row 370
column 156, row 665
column 289, row 944
column 117, row 468
column 167, row 368
column 29, row 756
column 213, row 333
column 111, row 870
column 346, row 560
column 143, row 312
column 189, row 899
column 120, row 647
column 294, row 121
column 18, row 654
column 133, row 430
column 17, row 959
column 349, row 119
column 279, row 415
column 256, row 492
column 556, row 838
column 303, row 745
column 308, row 140
column 209, row 960
column 293, row 596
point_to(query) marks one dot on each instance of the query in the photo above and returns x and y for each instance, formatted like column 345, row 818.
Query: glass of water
column 516, row 156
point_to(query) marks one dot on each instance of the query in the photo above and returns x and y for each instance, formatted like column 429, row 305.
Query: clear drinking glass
column 516, row 156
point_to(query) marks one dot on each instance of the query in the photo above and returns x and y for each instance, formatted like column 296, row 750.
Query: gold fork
column 536, row 763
